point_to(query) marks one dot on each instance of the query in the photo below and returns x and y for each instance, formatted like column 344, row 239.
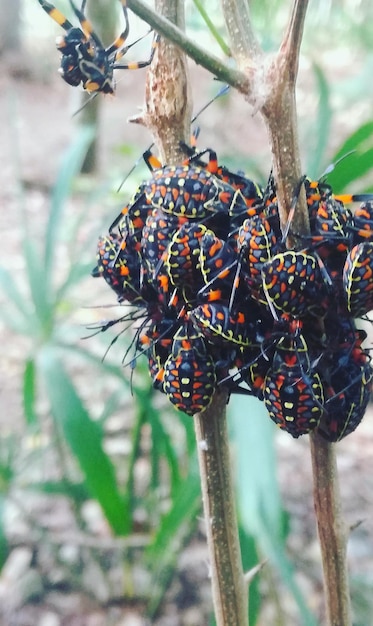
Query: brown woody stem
column 228, row 583
column 332, row 531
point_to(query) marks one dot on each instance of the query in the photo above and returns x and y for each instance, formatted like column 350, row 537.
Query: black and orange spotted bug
column 348, row 376
column 330, row 228
column 218, row 324
column 189, row 379
column 358, row 279
column 330, row 221
column 251, row 364
column 293, row 392
column 257, row 243
column 251, row 191
column 293, row 283
column 347, row 397
column 218, row 267
column 119, row 263
column 362, row 228
column 120, row 266
column 182, row 259
column 192, row 192
column 156, row 236
column 318, row 191
column 84, row 58
column 133, row 216
column 156, row 343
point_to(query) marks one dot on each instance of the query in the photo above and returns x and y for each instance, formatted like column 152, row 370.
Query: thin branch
column 211, row 26
column 221, row 70
column 279, row 111
column 292, row 40
column 168, row 103
column 228, row 582
column 244, row 44
column 332, row 531
column 254, row 571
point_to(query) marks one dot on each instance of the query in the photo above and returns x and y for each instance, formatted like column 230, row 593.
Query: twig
column 244, row 44
column 292, row 40
column 279, row 112
column 167, row 99
column 228, row 583
column 221, row 70
column 332, row 531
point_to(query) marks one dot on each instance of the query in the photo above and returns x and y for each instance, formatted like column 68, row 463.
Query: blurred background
column 100, row 509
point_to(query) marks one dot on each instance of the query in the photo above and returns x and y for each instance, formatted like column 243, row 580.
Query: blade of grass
column 250, row 559
column 40, row 296
column 77, row 272
column 103, row 364
column 260, row 509
column 175, row 529
column 77, row 492
column 162, row 447
column 85, row 439
column 210, row 25
column 4, row 547
column 9, row 287
column 358, row 163
column 321, row 128
column 69, row 169
column 29, row 383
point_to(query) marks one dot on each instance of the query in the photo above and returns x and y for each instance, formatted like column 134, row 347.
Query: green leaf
column 29, row 381
column 175, row 529
column 321, row 128
column 85, row 439
column 77, row 272
column 358, row 161
column 258, row 491
column 4, row 547
column 259, row 501
column 251, row 558
column 10, row 289
column 38, row 287
column 76, row 491
column 211, row 27
column 162, row 445
column 69, row 169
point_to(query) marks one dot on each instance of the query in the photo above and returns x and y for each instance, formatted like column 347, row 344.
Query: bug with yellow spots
column 84, row 59
column 189, row 372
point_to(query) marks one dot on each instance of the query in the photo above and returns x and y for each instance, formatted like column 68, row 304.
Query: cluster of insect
column 222, row 302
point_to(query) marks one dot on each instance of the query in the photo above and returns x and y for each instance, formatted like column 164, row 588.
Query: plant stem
column 332, row 531
column 279, row 112
column 245, row 47
column 228, row 584
column 221, row 70
column 168, row 103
